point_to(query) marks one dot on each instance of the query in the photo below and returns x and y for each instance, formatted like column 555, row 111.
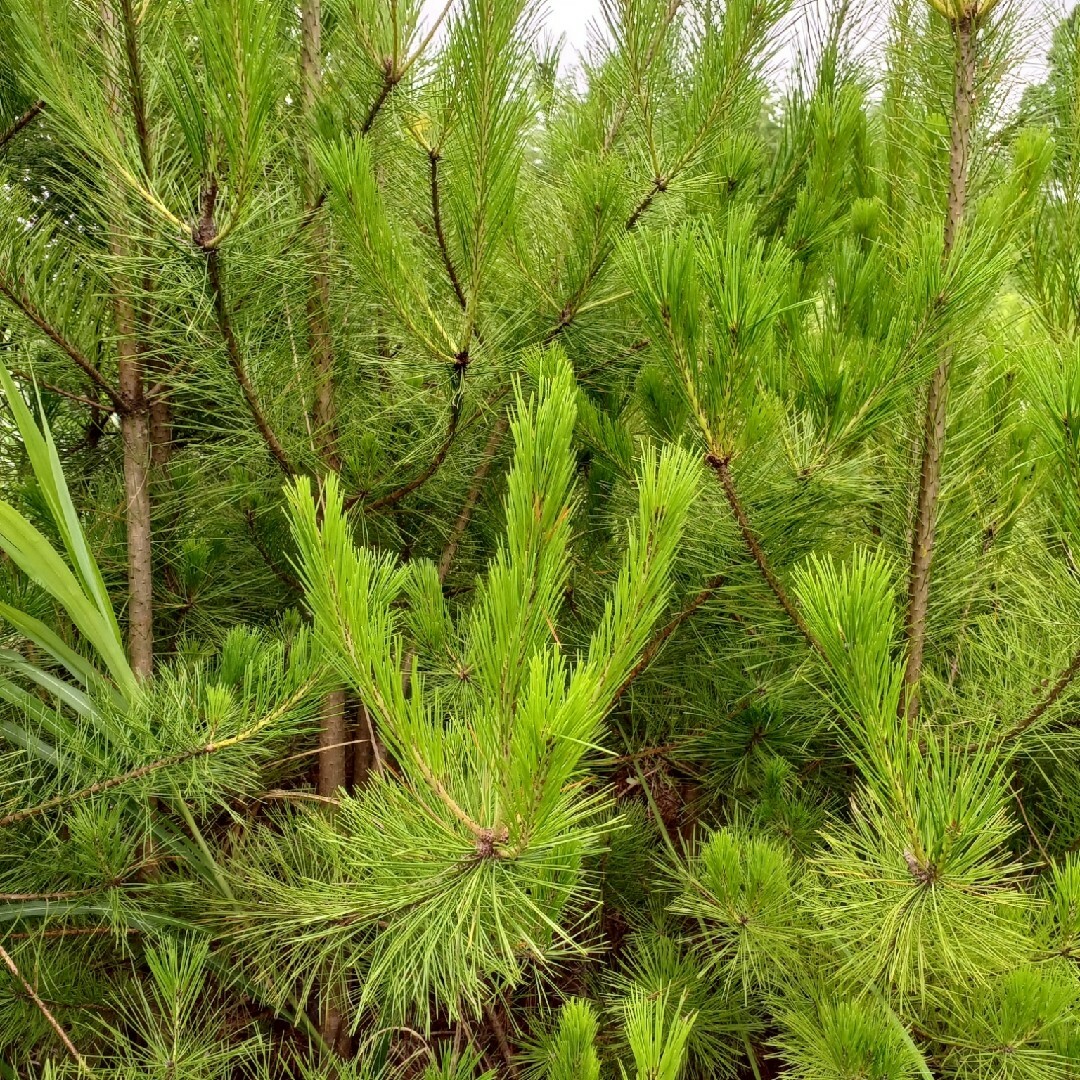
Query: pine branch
column 499, row 1031
column 286, row 579
column 25, row 376
column 236, row 362
column 573, row 306
column 26, row 306
column 1065, row 680
column 391, row 498
column 1018, row 796
column 61, row 1034
column 440, row 236
column 142, row 771
column 498, row 433
column 485, row 838
column 390, row 79
column 135, row 85
column 659, row 185
column 722, row 467
column 652, row 649
column 27, row 117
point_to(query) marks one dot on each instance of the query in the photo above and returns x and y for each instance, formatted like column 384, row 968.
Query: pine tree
column 515, row 575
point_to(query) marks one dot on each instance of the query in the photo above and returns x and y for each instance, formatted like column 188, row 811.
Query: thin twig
column 654, row 646
column 283, row 576
column 25, row 376
column 573, row 306
column 498, row 433
column 162, row 763
column 1017, row 795
column 722, row 467
column 317, row 750
column 70, row 894
column 300, row 796
column 72, row 931
column 27, row 117
column 43, row 1008
column 440, row 235
column 1065, row 680
column 500, row 1037
column 395, row 496
column 81, row 361
column 236, row 362
column 426, row 40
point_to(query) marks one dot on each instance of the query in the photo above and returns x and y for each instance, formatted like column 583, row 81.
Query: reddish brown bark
column 934, row 424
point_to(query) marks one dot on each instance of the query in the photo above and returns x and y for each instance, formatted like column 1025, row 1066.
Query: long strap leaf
column 36, row 557
column 61, row 689
column 45, row 462
column 44, row 637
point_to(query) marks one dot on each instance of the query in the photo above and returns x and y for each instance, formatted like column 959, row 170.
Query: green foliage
column 456, row 513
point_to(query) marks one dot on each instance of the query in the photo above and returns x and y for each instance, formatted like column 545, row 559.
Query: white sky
column 574, row 18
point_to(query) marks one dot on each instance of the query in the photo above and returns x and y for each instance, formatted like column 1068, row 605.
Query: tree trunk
column 334, row 756
column 934, row 425
column 333, row 730
column 134, row 419
column 135, row 428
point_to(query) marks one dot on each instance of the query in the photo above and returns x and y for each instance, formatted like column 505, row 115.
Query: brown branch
column 934, row 423
column 499, row 1032
column 70, row 894
column 43, row 1009
column 283, row 576
column 1065, row 680
column 135, row 85
column 81, row 361
column 572, row 306
column 440, row 235
column 722, row 467
column 72, row 931
column 656, row 643
column 1017, row 794
column 390, row 79
column 236, row 362
column 25, row 376
column 658, row 185
column 391, row 498
column 498, row 433
column 27, row 117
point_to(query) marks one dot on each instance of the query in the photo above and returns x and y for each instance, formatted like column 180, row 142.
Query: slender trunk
column 333, row 730
column 135, row 429
column 334, row 753
column 333, row 737
column 922, row 547
column 134, row 419
column 318, row 305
